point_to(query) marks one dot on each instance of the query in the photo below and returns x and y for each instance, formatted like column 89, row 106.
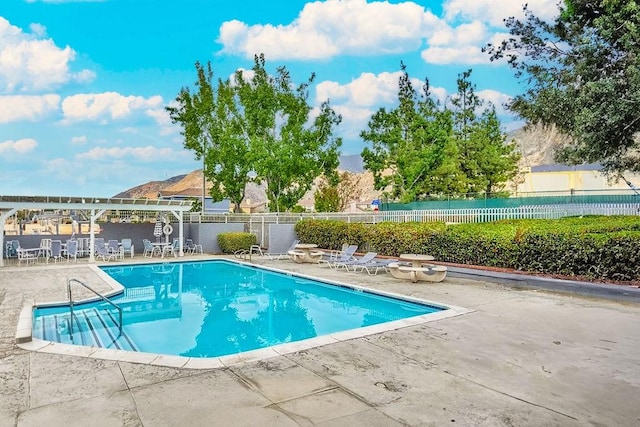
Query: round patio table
column 416, row 260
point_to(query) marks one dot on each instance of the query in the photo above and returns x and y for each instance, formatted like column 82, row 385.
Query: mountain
column 150, row 189
column 537, row 145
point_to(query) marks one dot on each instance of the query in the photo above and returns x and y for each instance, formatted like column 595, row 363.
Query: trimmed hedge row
column 232, row 242
column 597, row 247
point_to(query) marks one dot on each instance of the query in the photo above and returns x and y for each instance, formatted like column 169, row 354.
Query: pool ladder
column 104, row 298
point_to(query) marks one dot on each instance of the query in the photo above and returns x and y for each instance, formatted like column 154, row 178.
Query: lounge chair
column 346, row 256
column 279, row 256
column 364, row 259
column 375, row 265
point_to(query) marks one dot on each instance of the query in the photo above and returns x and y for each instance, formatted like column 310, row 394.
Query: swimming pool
column 214, row 308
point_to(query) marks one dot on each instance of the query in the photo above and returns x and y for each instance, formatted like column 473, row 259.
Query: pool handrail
column 104, row 298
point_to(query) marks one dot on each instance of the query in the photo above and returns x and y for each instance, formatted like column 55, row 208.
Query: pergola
column 97, row 206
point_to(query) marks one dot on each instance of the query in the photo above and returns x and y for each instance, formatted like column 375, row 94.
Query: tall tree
column 486, row 159
column 194, row 112
column 287, row 149
column 409, row 144
column 257, row 124
column 583, row 75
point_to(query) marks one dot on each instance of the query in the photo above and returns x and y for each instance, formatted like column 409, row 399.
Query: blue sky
column 84, row 83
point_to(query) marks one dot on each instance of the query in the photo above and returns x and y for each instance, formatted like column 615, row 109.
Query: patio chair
column 149, row 249
column 364, row 259
column 56, row 250
column 191, row 247
column 45, row 248
column 72, row 250
column 23, row 255
column 285, row 254
column 126, row 247
column 103, row 251
column 172, row 249
column 98, row 241
column 11, row 249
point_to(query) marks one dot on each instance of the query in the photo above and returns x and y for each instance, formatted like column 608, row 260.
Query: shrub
column 599, row 247
column 232, row 242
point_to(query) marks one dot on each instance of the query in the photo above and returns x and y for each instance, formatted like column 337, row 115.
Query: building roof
column 566, row 168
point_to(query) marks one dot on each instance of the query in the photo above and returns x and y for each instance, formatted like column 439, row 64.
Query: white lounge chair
column 346, row 256
column 364, row 259
column 373, row 266
column 276, row 256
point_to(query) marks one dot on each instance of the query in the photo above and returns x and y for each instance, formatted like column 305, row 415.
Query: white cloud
column 79, row 139
column 144, row 154
column 163, row 120
column 494, row 13
column 38, row 30
column 100, row 106
column 28, row 63
column 334, row 27
column 498, row 99
column 21, row 146
column 15, row 108
column 359, row 99
column 367, row 90
column 455, row 55
column 458, row 45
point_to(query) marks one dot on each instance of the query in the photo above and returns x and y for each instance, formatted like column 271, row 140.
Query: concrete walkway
column 521, row 358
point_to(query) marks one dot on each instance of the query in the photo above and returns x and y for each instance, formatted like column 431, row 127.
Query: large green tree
column 257, row 126
column 487, row 160
column 412, row 150
column 289, row 148
column 583, row 75
column 421, row 149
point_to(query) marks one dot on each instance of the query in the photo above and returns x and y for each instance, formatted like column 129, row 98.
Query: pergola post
column 3, row 220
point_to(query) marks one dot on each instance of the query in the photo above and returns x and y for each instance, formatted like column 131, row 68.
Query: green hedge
column 232, row 242
column 597, row 247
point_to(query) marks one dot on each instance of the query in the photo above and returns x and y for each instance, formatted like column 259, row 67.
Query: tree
column 336, row 198
column 194, row 114
column 414, row 142
column 583, row 75
column 486, row 160
column 327, row 199
column 258, row 128
column 287, row 150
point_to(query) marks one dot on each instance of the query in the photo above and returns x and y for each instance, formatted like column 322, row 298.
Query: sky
column 84, row 83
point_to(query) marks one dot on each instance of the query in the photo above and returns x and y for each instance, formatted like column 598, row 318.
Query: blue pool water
column 215, row 308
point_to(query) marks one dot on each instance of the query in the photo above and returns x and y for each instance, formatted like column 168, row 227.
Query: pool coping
column 25, row 340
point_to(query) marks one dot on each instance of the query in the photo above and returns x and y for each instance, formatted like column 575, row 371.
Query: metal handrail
column 104, row 298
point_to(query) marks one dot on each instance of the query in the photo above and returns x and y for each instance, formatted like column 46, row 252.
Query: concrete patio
column 521, row 358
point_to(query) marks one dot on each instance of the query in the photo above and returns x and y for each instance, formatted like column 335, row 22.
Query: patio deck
column 521, row 358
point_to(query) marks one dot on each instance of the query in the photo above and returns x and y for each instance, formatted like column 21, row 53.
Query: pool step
column 95, row 327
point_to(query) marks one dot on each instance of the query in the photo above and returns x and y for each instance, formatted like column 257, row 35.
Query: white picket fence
column 444, row 215
column 259, row 223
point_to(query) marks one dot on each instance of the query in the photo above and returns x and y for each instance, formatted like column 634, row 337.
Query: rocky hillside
column 536, row 144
